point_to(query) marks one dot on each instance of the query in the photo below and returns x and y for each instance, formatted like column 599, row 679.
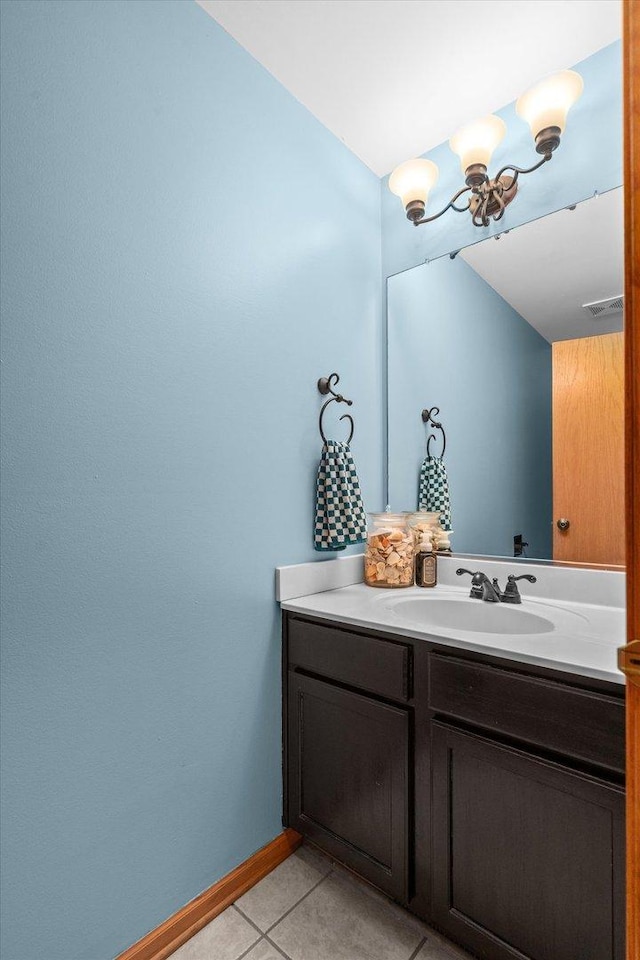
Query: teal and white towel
column 433, row 493
column 340, row 517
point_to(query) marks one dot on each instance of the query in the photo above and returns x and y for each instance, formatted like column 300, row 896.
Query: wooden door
column 631, row 74
column 588, row 449
column 528, row 855
column 348, row 759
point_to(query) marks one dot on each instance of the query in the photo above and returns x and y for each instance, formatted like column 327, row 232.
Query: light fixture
column 411, row 181
column 544, row 107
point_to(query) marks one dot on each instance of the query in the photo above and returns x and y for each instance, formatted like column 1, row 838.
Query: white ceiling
column 394, row 78
column 549, row 268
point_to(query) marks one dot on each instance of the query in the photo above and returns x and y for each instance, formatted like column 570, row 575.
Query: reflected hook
column 427, row 417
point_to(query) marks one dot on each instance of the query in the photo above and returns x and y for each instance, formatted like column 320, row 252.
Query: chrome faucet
column 481, row 586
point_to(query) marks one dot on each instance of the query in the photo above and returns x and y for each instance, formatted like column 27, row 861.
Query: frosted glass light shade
column 547, row 104
column 412, row 180
column 476, row 142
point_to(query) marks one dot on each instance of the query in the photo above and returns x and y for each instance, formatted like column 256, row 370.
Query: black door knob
column 563, row 524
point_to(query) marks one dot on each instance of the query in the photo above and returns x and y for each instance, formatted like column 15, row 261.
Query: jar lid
column 388, row 519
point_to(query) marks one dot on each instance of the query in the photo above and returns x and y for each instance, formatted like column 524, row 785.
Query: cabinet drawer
column 582, row 724
column 378, row 666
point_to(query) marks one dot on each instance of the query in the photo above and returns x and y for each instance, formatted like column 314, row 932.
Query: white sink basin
column 474, row 616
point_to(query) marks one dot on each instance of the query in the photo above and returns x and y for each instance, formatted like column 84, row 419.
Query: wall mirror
column 518, row 341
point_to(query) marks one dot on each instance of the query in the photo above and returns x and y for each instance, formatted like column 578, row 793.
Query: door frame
column 631, row 85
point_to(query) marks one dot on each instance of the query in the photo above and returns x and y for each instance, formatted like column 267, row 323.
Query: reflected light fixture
column 544, row 107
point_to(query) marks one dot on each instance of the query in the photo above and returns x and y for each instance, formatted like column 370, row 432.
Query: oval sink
column 474, row 616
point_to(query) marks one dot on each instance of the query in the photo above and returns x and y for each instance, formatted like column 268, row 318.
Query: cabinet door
column 348, row 770
column 527, row 855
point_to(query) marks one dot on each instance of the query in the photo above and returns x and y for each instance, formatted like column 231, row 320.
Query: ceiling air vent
column 604, row 308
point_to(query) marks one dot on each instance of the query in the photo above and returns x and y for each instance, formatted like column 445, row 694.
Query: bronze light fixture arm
column 497, row 197
column 450, row 206
column 488, row 191
column 494, row 195
column 518, row 170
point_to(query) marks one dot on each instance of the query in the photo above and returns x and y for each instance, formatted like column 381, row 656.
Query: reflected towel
column 340, row 518
column 433, row 492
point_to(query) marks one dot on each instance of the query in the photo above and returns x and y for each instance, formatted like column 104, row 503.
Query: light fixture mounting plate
column 492, row 197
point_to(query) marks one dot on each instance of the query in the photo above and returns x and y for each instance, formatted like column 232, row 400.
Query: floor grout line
column 335, row 870
column 263, row 935
column 418, row 949
column 297, row 904
column 278, row 948
column 285, row 914
column 248, row 950
column 263, row 939
column 248, row 919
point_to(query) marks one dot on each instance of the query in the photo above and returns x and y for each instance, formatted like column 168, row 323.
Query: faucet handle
column 476, row 582
column 511, row 593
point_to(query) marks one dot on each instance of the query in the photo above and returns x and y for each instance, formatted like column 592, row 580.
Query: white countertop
column 583, row 641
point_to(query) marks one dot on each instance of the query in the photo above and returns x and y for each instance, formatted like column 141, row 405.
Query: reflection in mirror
column 518, row 343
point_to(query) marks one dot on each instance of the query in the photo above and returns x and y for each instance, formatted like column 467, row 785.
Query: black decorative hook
column 427, row 417
column 325, row 386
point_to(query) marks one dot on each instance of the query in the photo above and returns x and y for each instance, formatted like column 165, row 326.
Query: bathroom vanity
column 476, row 779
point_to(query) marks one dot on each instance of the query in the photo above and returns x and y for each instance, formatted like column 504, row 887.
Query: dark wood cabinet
column 485, row 795
column 378, row 666
column 527, row 854
column 349, row 779
column 549, row 713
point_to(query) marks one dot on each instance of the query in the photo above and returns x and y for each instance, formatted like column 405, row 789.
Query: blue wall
column 588, row 159
column 185, row 251
column 455, row 343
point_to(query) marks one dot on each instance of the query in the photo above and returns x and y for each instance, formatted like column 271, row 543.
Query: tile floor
column 309, row 908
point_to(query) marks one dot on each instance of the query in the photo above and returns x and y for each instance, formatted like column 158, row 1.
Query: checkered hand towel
column 433, row 492
column 340, row 518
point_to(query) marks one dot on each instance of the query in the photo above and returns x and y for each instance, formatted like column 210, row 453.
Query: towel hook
column 325, row 386
column 427, row 417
